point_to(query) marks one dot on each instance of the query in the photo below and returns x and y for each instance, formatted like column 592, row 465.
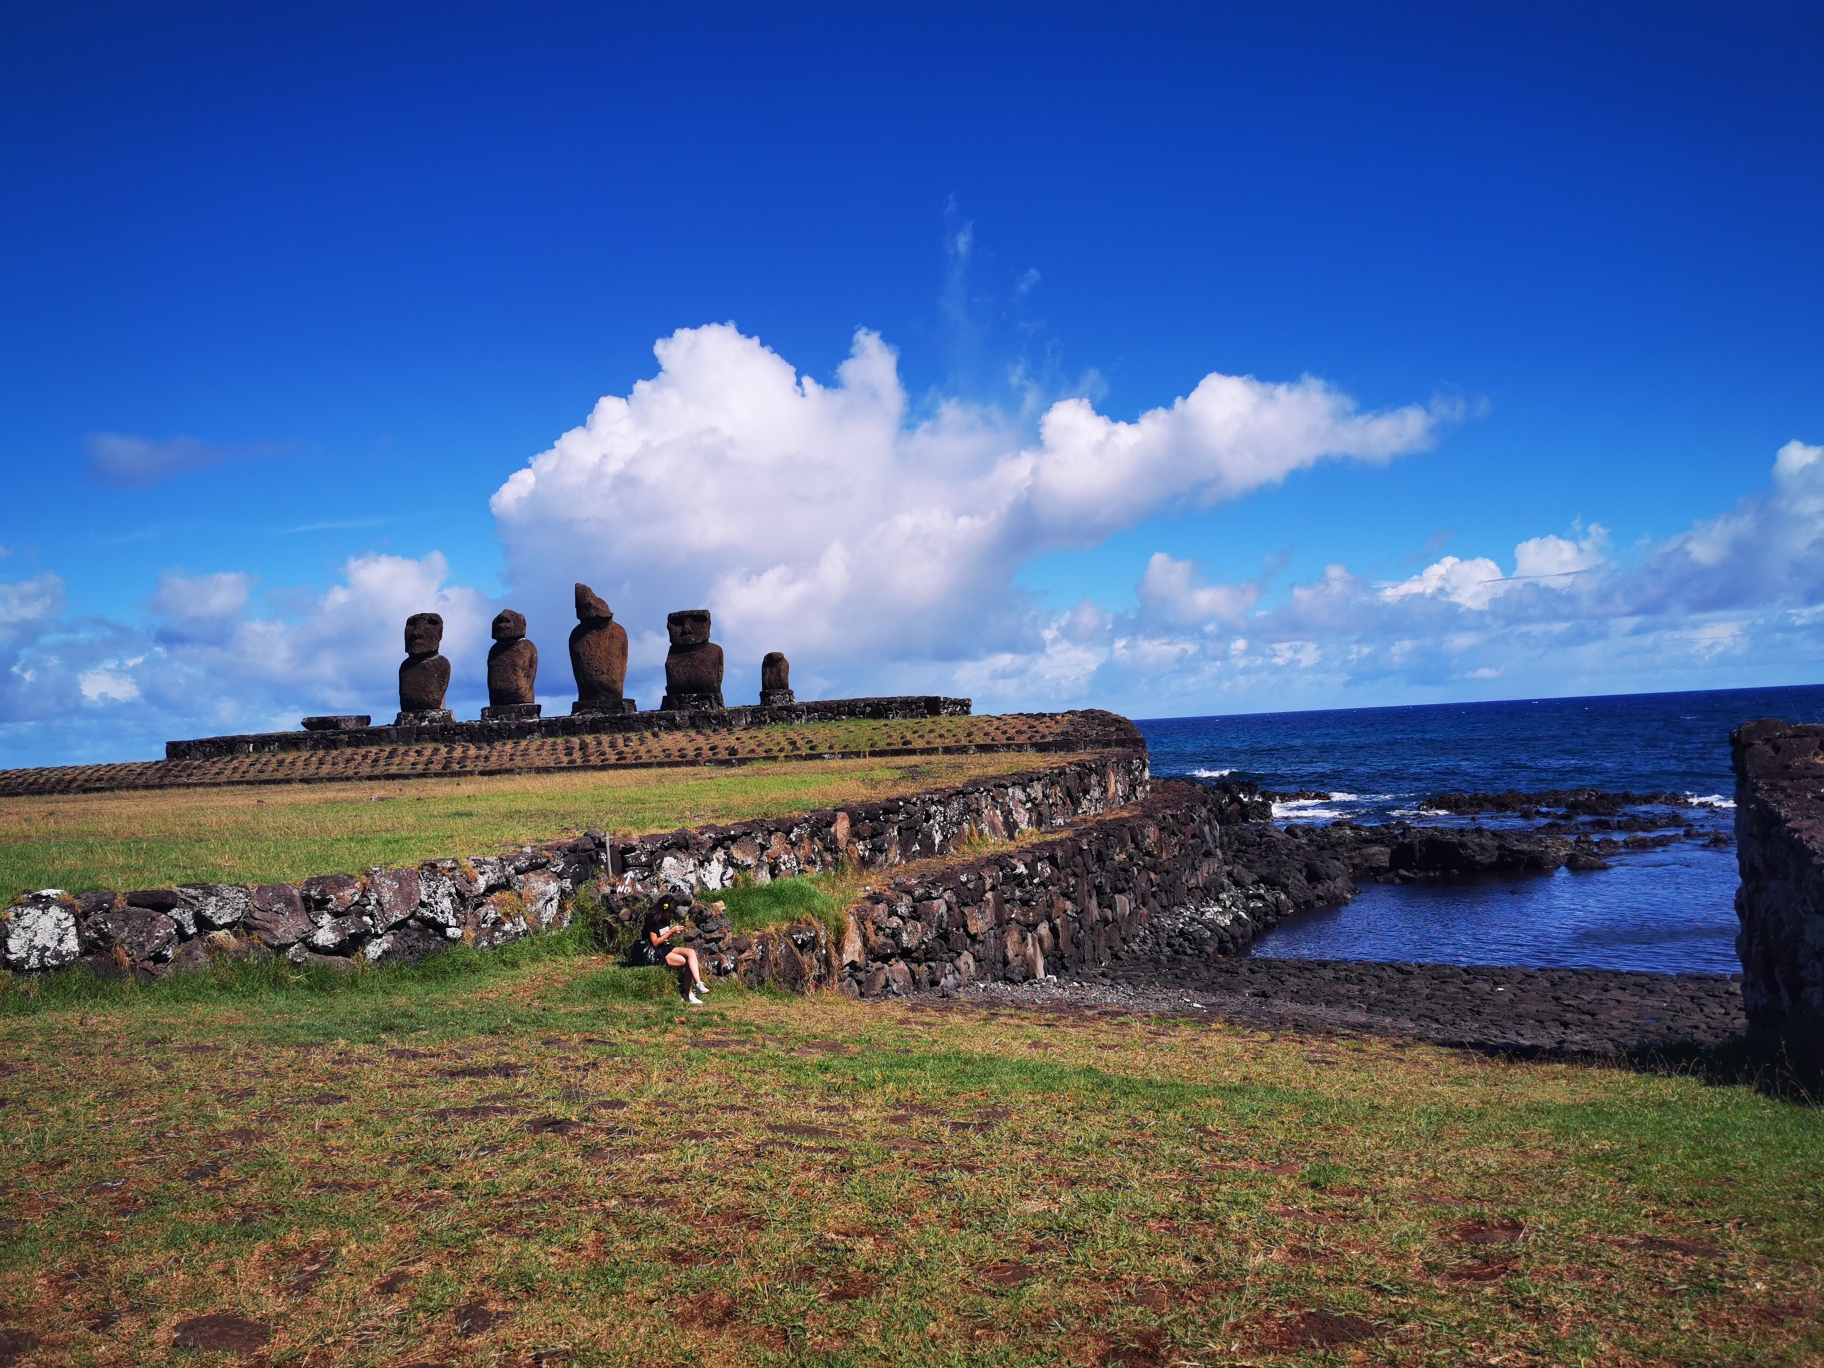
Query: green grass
column 866, row 1183
column 753, row 907
column 285, row 833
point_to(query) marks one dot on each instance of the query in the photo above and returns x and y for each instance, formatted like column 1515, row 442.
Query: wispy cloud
column 337, row 525
column 126, row 461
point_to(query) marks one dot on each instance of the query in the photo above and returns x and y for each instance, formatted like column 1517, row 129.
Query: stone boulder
column 405, row 944
column 142, row 935
column 39, row 932
column 278, row 918
column 693, row 666
column 216, row 906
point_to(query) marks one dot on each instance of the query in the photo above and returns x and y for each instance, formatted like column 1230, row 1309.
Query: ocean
column 1666, row 911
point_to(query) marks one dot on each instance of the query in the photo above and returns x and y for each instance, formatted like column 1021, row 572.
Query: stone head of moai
column 424, row 676
column 423, row 634
column 693, row 666
column 688, row 628
column 598, row 650
column 512, row 663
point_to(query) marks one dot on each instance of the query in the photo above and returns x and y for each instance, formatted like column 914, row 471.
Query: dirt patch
column 395, row 1282
column 853, row 1287
column 1006, row 1275
column 1487, row 1270
column 477, row 1318
column 313, row 1267
column 222, row 1333
column 1486, row 1232
column 1316, row 1330
column 15, row 1344
column 1140, row 1349
column 554, row 1125
column 475, row 1113
column 484, row 1071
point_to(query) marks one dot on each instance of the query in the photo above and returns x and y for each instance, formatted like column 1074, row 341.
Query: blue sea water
column 1668, row 911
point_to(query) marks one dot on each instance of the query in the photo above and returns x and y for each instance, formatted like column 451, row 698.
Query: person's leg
column 685, row 957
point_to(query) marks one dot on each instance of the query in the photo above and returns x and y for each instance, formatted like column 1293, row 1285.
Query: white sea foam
column 1715, row 800
column 1210, row 774
column 1306, row 810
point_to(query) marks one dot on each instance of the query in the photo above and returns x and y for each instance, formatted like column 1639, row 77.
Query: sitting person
column 664, row 921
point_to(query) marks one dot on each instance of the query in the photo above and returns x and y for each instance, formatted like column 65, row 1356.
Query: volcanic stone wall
column 392, row 914
column 1779, row 841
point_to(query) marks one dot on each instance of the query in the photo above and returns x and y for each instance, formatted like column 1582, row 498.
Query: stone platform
column 900, row 709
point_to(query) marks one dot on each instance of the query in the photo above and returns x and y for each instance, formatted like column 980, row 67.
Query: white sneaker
column 694, row 1000
column 702, row 988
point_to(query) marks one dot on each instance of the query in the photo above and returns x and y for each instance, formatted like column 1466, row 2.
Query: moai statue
column 424, row 676
column 512, row 672
column 598, row 656
column 775, row 680
column 693, row 666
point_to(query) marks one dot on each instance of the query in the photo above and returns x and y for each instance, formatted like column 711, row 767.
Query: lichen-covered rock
column 277, row 918
column 405, row 944
column 142, row 934
column 39, row 932
column 500, row 920
column 395, row 895
column 339, row 935
column 216, row 907
column 331, row 895
column 541, row 893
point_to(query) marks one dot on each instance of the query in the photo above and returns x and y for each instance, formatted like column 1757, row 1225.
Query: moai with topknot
column 598, row 656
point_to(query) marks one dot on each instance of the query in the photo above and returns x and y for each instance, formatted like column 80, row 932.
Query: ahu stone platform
column 603, row 722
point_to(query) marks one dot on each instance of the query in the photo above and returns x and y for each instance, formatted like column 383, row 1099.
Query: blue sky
column 287, row 294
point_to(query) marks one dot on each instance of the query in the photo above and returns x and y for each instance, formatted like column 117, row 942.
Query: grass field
column 268, row 834
column 540, row 1159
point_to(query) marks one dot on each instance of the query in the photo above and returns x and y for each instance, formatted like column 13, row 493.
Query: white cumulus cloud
column 828, row 522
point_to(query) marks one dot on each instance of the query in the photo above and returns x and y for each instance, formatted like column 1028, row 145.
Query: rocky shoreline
column 1545, row 1012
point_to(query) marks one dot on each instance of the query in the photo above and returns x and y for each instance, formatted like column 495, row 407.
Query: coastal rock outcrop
column 1779, row 836
column 598, row 656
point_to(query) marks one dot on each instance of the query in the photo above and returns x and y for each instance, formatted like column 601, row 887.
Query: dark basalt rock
column 598, row 654
column 338, row 722
column 776, row 680
column 693, row 666
column 1567, row 802
column 1779, row 841
column 278, row 918
column 512, row 662
column 424, row 676
column 140, row 933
